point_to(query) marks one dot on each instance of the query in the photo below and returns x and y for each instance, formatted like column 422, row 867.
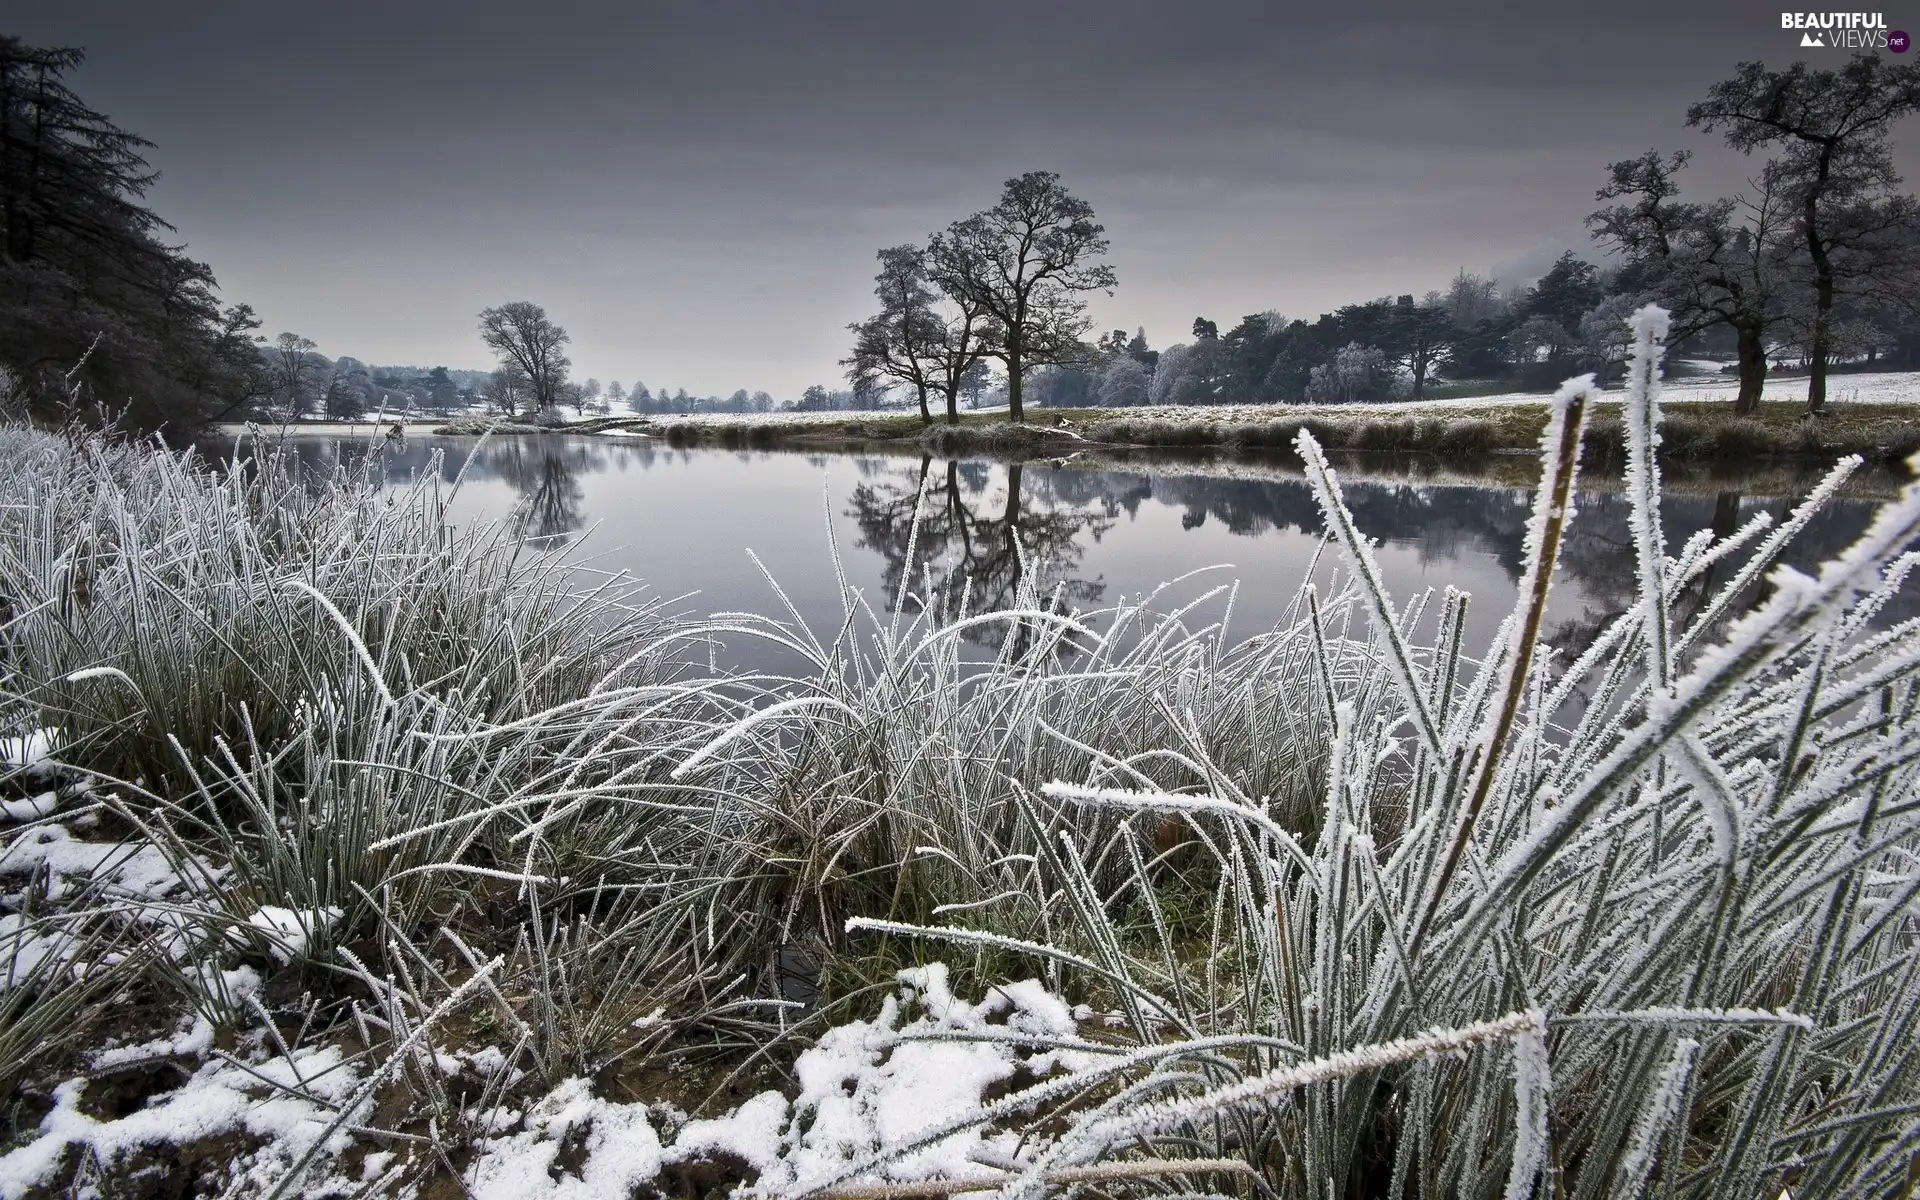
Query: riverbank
column 1694, row 432
column 1768, row 478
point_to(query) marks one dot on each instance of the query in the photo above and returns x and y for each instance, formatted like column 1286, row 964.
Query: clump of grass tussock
column 1154, row 432
column 1366, row 432
column 153, row 599
column 1676, row 877
column 998, row 437
column 428, row 747
column 273, row 680
column 1700, row 432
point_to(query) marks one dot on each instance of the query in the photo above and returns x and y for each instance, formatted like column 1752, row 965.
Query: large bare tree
column 1836, row 170
column 918, row 338
column 1720, row 263
column 521, row 336
column 1025, row 263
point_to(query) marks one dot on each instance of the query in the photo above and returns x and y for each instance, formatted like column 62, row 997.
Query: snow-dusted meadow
column 1873, row 387
column 347, row 853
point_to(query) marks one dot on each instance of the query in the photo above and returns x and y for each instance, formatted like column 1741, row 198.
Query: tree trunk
column 1822, row 286
column 958, row 510
column 1726, row 519
column 1419, row 378
column 1817, row 357
column 1753, row 369
column 1014, row 372
column 926, row 414
column 953, row 403
column 1021, row 633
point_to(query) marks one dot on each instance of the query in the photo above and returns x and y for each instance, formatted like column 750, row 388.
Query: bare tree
column 968, row 334
column 917, row 339
column 1837, row 169
column 507, row 390
column 294, row 369
column 521, row 336
column 1025, row 263
column 895, row 345
column 1471, row 299
column 1721, row 263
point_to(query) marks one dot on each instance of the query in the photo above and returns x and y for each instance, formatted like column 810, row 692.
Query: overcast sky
column 696, row 191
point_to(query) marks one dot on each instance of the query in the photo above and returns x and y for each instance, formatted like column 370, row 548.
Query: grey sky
column 696, row 191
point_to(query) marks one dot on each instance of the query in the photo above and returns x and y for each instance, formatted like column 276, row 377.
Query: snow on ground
column 290, row 930
column 1885, row 387
column 28, row 749
column 1881, row 387
column 928, row 1059
column 132, row 869
column 866, row 1087
column 285, row 1104
column 621, row 1148
column 31, row 809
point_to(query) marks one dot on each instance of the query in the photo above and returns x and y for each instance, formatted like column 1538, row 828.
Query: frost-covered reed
column 1366, row 909
column 1690, row 854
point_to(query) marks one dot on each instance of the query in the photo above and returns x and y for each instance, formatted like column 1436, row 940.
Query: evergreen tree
column 99, row 316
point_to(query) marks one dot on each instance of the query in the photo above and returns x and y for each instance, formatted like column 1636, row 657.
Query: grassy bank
column 1693, row 433
column 411, row 864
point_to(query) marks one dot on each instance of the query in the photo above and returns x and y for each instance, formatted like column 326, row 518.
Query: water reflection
column 682, row 520
column 546, row 474
column 975, row 544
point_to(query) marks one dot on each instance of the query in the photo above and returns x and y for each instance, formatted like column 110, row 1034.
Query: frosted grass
column 1348, row 905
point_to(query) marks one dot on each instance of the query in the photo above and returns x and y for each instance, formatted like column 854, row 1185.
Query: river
column 691, row 523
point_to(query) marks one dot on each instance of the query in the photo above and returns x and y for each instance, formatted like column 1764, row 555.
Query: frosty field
column 350, row 851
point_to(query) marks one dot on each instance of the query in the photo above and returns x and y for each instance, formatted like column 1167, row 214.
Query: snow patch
column 218, row 1100
column 31, row 809
column 872, row 1084
column 291, row 930
column 131, row 869
column 621, row 1150
column 30, row 749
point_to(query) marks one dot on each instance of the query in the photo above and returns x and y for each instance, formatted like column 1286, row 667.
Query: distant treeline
column 1473, row 336
column 1816, row 262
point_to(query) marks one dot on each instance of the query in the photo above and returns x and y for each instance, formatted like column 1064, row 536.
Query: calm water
column 685, row 520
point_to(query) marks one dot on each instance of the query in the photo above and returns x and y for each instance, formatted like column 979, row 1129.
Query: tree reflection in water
column 546, row 474
column 1045, row 522
column 968, row 548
